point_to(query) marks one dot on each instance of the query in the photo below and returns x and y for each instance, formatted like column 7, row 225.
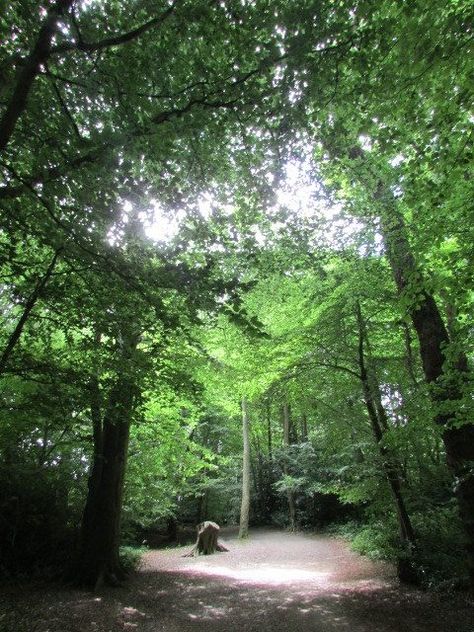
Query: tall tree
column 245, row 504
column 379, row 424
column 387, row 142
column 286, row 443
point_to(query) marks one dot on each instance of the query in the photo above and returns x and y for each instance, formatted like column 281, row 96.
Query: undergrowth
column 440, row 556
column 131, row 556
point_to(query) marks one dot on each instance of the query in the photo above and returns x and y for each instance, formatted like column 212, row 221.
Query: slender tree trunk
column 377, row 398
column 304, row 428
column 286, row 442
column 446, row 380
column 100, row 530
column 260, row 479
column 255, row 479
column 409, row 359
column 269, row 430
column 203, row 504
column 245, row 505
column 29, row 305
column 95, row 474
column 42, row 454
column 358, row 454
column 375, row 410
column 30, row 69
column 357, row 450
column 269, row 479
column 172, row 529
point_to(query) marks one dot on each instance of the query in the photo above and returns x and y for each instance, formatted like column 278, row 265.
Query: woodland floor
column 272, row 582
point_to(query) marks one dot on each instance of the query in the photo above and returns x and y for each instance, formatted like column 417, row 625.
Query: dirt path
column 274, row 582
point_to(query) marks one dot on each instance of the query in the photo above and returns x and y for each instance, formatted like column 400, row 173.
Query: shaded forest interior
column 236, row 274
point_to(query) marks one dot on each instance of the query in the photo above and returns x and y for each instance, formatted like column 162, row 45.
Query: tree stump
column 207, row 542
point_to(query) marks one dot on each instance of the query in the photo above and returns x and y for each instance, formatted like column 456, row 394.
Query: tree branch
column 30, row 303
column 40, row 53
column 116, row 40
column 65, row 109
column 206, row 101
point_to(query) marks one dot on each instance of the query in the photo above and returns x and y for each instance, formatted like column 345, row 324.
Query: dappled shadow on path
column 193, row 601
column 275, row 582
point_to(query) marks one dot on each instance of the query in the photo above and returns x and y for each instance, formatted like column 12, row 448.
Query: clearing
column 274, row 581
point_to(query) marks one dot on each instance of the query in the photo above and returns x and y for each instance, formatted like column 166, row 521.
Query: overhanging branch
column 116, row 40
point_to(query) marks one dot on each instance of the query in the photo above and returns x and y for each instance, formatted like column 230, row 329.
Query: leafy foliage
column 286, row 147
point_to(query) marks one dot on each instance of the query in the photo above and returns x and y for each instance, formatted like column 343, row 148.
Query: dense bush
column 38, row 521
column 439, row 558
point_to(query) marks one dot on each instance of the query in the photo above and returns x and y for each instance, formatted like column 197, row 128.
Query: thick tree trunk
column 245, row 505
column 99, row 558
column 100, row 530
column 286, row 442
column 378, row 420
column 29, row 305
column 97, row 438
column 446, row 381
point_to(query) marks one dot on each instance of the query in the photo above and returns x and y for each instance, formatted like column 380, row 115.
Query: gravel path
column 273, row 582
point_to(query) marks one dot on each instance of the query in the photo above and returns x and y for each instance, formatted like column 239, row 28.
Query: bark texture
column 100, row 530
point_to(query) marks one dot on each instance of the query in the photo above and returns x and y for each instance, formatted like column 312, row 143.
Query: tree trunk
column 203, row 503
column 97, row 438
column 286, row 443
column 172, row 529
column 378, row 420
column 446, row 381
column 269, row 430
column 260, row 482
column 100, row 530
column 409, row 359
column 245, row 505
column 304, row 428
column 269, row 476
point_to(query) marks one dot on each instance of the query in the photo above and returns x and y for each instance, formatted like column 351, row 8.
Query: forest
column 236, row 261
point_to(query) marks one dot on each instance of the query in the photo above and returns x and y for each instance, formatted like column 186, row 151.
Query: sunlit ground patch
column 266, row 574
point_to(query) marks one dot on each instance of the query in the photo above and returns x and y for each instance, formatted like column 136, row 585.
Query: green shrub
column 378, row 541
column 441, row 545
column 130, row 556
column 440, row 555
